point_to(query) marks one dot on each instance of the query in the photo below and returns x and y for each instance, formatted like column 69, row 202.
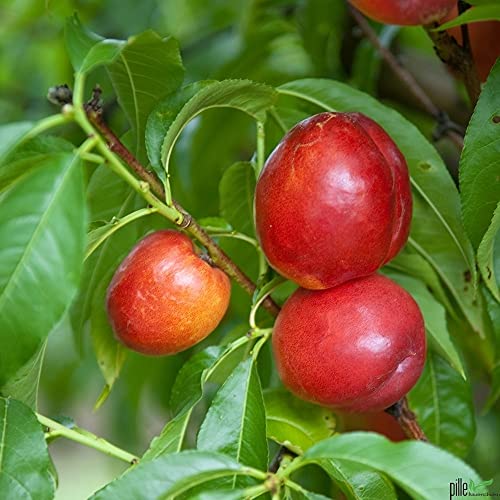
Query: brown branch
column 219, row 257
column 407, row 420
column 458, row 58
column 445, row 125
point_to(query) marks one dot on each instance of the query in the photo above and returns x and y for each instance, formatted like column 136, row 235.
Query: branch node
column 60, row 95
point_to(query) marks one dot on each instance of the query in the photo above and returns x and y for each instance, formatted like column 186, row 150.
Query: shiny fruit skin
column 484, row 41
column 164, row 298
column 333, row 201
column 404, row 12
column 358, row 347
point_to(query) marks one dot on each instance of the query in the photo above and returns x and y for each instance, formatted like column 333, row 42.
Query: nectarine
column 357, row 347
column 333, row 201
column 164, row 298
column 404, row 12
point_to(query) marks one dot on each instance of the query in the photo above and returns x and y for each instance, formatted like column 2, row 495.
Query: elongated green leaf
column 434, row 318
column 236, row 192
column 23, row 386
column 359, row 483
column 488, row 255
column 188, row 391
column 42, row 235
column 250, row 97
column 480, row 161
column 437, row 233
column 25, row 466
column 27, row 155
column 235, row 423
column 294, row 423
column 480, row 13
column 421, row 469
column 170, row 475
column 88, row 50
column 10, row 135
column 147, row 69
column 494, row 313
column 442, row 401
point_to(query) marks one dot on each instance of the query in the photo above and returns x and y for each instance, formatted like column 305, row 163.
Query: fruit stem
column 114, row 151
column 407, row 420
column 445, row 125
column 261, row 147
column 86, row 438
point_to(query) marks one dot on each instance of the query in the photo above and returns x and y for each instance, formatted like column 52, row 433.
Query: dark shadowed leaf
column 25, row 465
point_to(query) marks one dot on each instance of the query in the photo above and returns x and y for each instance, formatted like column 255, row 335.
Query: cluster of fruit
column 333, row 205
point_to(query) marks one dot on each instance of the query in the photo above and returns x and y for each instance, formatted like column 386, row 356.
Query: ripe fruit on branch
column 357, row 347
column 164, row 298
column 484, row 43
column 333, row 201
column 404, row 12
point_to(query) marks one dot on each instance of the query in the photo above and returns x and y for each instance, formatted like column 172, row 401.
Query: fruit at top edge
column 358, row 347
column 164, row 298
column 404, row 12
column 333, row 201
column 484, row 40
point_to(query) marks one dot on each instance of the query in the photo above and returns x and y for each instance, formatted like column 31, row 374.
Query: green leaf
column 215, row 224
column 480, row 161
column 23, row 386
column 442, row 401
column 488, row 255
column 437, row 232
column 422, row 470
column 187, row 391
column 236, row 191
column 249, row 97
column 11, row 135
column 480, row 13
column 25, row 465
column 88, row 50
column 42, row 235
column 147, row 69
column 235, row 424
column 434, row 318
column 357, row 482
column 27, row 155
column 294, row 423
column 170, row 475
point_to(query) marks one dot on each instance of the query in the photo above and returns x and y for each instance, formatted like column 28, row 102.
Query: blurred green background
column 272, row 41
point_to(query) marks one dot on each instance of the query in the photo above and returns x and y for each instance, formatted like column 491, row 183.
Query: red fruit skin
column 358, row 347
column 380, row 422
column 333, row 201
column 404, row 12
column 164, row 298
column 484, row 41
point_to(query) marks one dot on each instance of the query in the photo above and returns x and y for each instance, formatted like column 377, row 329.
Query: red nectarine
column 357, row 347
column 333, row 201
column 164, row 298
column 404, row 12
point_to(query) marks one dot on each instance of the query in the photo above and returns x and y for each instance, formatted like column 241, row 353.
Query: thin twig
column 445, row 125
column 220, row 258
column 407, row 420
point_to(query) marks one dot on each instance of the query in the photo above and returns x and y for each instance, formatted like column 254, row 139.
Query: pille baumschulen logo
column 461, row 488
